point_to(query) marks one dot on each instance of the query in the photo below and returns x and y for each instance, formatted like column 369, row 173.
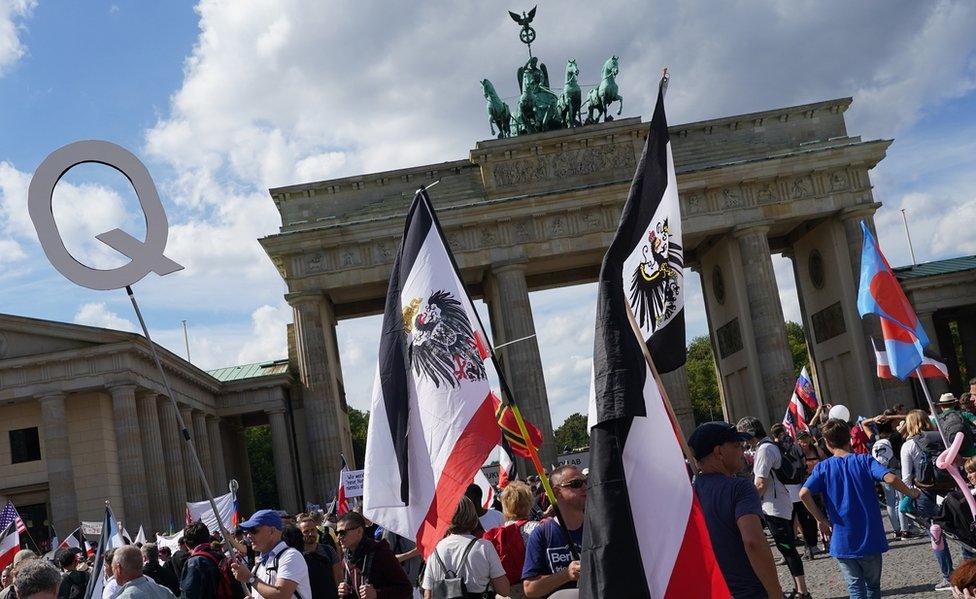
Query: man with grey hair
column 37, row 579
column 127, row 569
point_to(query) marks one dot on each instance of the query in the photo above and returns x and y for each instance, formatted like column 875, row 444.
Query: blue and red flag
column 802, row 405
column 880, row 293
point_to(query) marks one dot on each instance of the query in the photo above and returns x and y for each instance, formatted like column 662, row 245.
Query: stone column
column 676, row 385
column 155, row 457
column 890, row 391
column 768, row 324
column 217, row 455
column 511, row 318
column 242, row 467
column 201, row 440
column 132, row 469
column 967, row 335
column 194, row 489
column 175, row 472
column 57, row 457
column 326, row 424
column 284, row 467
column 937, row 385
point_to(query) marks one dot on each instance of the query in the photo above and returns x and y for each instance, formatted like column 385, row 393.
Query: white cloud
column 97, row 314
column 268, row 337
column 12, row 15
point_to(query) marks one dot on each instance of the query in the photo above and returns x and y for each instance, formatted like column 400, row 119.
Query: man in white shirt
column 777, row 505
column 281, row 572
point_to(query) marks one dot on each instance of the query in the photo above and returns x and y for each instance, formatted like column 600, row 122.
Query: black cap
column 710, row 435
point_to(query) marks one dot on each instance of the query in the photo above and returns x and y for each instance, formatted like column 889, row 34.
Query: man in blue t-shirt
column 857, row 537
column 733, row 512
column 550, row 563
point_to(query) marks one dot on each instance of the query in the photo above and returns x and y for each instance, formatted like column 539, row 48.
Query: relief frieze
column 564, row 165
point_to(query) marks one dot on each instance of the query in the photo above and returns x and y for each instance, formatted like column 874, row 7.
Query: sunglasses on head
column 576, row 483
column 342, row 533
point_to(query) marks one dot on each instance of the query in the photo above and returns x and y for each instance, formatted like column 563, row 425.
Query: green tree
column 702, row 383
column 258, row 439
column 358, row 423
column 798, row 346
column 572, row 433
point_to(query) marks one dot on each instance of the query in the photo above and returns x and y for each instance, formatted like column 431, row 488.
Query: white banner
column 172, row 541
column 91, row 528
column 352, row 480
column 201, row 510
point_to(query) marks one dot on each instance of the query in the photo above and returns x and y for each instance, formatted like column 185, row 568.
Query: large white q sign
column 144, row 256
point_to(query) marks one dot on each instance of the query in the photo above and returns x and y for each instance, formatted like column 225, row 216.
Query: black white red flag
column 644, row 533
column 110, row 538
column 341, row 505
column 506, row 464
column 932, row 366
column 432, row 422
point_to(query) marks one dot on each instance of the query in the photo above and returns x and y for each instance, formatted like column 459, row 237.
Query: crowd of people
column 825, row 489
column 516, row 551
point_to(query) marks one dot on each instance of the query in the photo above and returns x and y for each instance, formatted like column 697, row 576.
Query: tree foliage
column 358, row 423
column 572, row 433
column 798, row 346
column 258, row 439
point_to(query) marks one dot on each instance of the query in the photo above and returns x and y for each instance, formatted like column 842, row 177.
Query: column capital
column 212, row 418
column 859, row 211
column 757, row 228
column 122, row 388
column 508, row 266
column 48, row 396
column 275, row 410
column 297, row 298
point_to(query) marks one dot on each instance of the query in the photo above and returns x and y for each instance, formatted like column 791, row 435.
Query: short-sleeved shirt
column 547, row 551
column 725, row 499
column 776, row 500
column 291, row 566
column 482, row 564
column 847, row 485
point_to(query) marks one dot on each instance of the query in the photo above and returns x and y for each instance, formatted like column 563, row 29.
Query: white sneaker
column 945, row 585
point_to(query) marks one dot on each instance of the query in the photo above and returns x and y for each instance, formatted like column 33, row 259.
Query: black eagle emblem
column 443, row 347
column 654, row 286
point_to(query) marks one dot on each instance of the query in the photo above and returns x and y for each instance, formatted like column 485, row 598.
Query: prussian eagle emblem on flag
column 442, row 345
column 655, row 287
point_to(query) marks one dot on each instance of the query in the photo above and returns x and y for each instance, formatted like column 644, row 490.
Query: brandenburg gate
column 538, row 211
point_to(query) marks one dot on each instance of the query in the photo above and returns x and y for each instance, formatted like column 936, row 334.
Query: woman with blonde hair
column 461, row 555
column 922, row 444
column 517, row 501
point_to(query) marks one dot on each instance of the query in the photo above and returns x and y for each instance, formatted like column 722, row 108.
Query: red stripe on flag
column 696, row 572
column 473, row 445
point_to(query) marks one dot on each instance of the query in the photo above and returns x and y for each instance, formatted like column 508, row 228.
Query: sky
column 223, row 100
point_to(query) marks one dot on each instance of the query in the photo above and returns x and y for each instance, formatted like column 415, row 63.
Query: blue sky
column 223, row 100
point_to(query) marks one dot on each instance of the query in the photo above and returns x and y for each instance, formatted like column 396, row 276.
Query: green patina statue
column 600, row 98
column 570, row 101
column 539, row 109
column 499, row 114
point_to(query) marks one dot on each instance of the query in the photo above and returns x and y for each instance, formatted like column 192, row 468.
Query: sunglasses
column 342, row 533
column 576, row 483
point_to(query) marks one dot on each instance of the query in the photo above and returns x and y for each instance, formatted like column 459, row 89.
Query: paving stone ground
column 909, row 570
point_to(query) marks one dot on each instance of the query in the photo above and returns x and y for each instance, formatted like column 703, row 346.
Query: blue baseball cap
column 710, row 435
column 263, row 518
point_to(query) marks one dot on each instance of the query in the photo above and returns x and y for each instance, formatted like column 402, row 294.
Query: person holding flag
column 644, row 533
column 803, row 404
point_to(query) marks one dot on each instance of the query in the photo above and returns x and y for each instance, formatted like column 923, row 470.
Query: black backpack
column 953, row 422
column 928, row 476
column 792, row 465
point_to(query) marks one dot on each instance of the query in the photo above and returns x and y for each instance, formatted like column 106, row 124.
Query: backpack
column 225, row 589
column 792, row 465
column 452, row 585
column 928, row 476
column 953, row 422
column 510, row 546
column 274, row 566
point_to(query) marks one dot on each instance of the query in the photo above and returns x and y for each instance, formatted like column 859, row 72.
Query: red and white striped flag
column 342, row 502
column 9, row 544
column 802, row 405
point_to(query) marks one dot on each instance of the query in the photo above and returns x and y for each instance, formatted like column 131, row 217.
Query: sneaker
column 780, row 561
column 945, row 585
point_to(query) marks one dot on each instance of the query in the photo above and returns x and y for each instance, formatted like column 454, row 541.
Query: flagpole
column 928, row 398
column 179, row 418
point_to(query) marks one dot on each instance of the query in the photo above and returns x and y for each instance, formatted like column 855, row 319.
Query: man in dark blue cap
column 281, row 570
column 733, row 512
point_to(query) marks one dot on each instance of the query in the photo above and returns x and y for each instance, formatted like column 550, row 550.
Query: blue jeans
column 898, row 520
column 863, row 576
column 927, row 508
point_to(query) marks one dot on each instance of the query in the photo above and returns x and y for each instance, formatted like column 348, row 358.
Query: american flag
column 8, row 515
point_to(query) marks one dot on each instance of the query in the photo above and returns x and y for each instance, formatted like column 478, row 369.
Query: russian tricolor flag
column 881, row 294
